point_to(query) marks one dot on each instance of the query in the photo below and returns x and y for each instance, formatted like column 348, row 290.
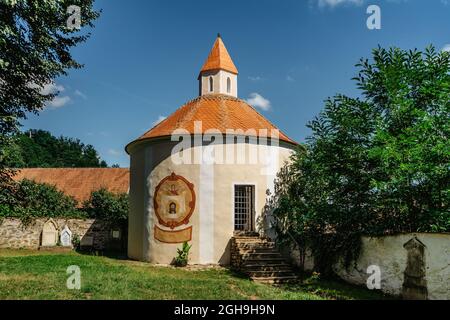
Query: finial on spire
column 218, row 35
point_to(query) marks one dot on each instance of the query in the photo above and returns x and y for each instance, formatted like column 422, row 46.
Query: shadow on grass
column 333, row 288
column 329, row 288
column 112, row 254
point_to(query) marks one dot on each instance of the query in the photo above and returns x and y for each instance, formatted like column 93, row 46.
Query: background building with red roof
column 79, row 183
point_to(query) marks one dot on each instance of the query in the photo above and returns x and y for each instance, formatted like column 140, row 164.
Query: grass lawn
column 42, row 275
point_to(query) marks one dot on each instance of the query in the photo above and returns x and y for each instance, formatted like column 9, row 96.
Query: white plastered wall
column 389, row 254
column 213, row 217
column 219, row 83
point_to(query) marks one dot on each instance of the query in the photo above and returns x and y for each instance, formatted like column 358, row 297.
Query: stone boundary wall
column 413, row 265
column 15, row 235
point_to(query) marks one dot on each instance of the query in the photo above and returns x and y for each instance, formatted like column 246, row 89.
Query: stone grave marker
column 415, row 281
column 49, row 234
column 66, row 237
column 116, row 234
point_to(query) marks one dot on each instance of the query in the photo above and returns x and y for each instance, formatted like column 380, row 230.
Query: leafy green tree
column 374, row 165
column 35, row 44
column 13, row 155
column 108, row 206
column 40, row 149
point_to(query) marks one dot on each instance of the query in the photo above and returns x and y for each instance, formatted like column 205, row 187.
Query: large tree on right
column 376, row 164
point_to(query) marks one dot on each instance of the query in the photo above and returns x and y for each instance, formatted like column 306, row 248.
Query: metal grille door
column 244, row 207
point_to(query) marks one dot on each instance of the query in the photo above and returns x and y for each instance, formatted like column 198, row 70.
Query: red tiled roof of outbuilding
column 79, row 182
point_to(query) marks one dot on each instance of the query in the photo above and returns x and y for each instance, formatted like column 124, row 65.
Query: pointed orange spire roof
column 219, row 58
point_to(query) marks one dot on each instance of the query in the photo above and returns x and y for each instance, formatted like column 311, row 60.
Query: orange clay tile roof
column 79, row 182
column 219, row 58
column 215, row 111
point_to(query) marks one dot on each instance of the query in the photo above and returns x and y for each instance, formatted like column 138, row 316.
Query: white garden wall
column 390, row 254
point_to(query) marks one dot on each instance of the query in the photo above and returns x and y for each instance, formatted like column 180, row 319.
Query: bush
column 30, row 200
column 76, row 241
column 181, row 260
column 108, row 206
column 34, row 200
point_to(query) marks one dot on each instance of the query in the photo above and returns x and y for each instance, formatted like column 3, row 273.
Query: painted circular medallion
column 174, row 201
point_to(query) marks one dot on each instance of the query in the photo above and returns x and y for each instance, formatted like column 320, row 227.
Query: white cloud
column 258, row 101
column 334, row 3
column 52, row 88
column 80, row 94
column 58, row 102
column 290, row 79
column 446, row 47
column 255, row 78
column 114, row 152
column 157, row 121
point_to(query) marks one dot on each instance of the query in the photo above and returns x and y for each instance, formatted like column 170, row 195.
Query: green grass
column 42, row 275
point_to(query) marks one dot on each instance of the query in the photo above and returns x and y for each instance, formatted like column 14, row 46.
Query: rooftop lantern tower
column 218, row 74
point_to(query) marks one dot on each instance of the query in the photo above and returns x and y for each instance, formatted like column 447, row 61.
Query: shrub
column 181, row 260
column 76, row 241
column 34, row 200
column 108, row 206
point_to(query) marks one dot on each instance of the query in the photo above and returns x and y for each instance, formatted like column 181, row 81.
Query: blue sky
column 143, row 59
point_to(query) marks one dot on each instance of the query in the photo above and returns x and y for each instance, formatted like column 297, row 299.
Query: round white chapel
column 202, row 174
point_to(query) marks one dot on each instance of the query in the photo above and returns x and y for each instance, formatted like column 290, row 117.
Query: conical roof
column 219, row 58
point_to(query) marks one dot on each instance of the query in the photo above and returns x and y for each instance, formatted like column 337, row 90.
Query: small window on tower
column 211, row 84
column 228, row 85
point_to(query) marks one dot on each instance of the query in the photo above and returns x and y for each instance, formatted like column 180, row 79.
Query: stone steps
column 246, row 234
column 265, row 274
column 260, row 260
column 243, row 241
column 256, row 246
column 276, row 280
column 257, row 250
column 262, row 256
column 266, row 267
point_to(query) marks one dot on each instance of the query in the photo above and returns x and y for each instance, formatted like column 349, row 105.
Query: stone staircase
column 260, row 260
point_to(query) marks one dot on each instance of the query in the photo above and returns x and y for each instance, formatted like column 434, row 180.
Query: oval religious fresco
column 174, row 201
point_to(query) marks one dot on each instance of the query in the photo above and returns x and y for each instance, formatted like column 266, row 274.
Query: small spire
column 219, row 58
